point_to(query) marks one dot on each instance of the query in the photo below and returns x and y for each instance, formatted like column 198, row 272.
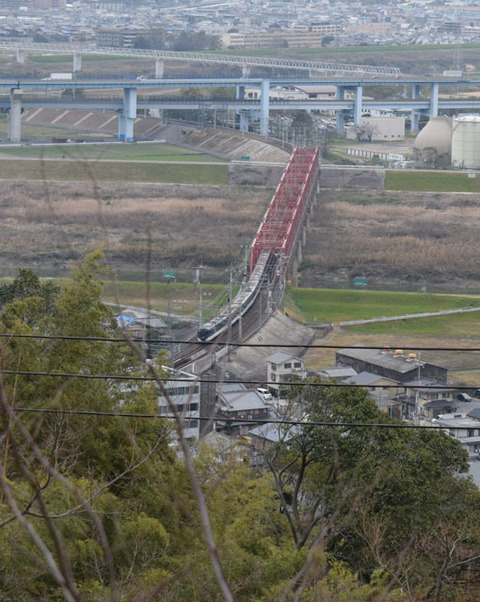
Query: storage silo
column 437, row 134
column 433, row 144
column 466, row 141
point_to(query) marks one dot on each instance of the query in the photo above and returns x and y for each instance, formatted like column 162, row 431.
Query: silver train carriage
column 241, row 304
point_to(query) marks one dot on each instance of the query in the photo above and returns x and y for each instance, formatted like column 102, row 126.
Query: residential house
column 381, row 389
column 262, row 437
column 281, row 368
column 245, row 406
column 337, row 373
column 462, row 427
column 426, row 398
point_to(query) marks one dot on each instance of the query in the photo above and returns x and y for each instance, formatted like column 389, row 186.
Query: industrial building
column 389, row 363
column 446, row 141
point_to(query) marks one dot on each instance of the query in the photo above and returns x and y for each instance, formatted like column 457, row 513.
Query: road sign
column 360, row 282
column 168, row 274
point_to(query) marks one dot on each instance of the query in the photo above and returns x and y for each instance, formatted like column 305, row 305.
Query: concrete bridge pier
column 126, row 118
column 357, row 107
column 339, row 115
column 294, row 272
column 434, row 101
column 265, row 108
column 159, row 68
column 295, row 262
column 77, row 62
column 244, row 121
column 415, row 115
column 414, row 122
column 299, row 252
column 14, row 116
column 20, row 56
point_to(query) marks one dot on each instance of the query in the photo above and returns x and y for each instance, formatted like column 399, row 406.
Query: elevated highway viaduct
column 130, row 101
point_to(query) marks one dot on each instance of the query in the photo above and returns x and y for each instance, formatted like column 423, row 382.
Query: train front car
column 240, row 305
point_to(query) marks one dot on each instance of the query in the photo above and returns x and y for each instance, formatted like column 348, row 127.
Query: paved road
column 443, row 312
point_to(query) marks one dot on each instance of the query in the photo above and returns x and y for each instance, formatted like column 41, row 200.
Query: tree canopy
column 97, row 506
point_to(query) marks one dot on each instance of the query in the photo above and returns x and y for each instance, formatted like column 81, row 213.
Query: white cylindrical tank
column 466, row 141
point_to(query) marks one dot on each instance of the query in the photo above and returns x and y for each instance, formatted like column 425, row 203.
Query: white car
column 265, row 393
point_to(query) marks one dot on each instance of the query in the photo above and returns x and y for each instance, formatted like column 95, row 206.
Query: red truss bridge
column 281, row 224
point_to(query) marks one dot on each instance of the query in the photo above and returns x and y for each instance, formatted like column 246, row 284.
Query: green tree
column 27, row 284
column 370, row 495
column 94, row 501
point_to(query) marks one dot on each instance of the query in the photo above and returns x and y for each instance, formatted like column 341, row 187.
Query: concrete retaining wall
column 254, row 175
column 352, row 177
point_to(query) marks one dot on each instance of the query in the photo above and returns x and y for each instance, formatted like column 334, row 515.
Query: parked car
column 265, row 393
column 464, row 397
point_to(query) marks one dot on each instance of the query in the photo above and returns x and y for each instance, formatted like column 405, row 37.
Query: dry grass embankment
column 47, row 224
column 394, row 237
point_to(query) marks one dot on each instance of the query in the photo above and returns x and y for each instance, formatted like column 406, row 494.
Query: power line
column 229, row 420
column 230, row 344
column 300, row 383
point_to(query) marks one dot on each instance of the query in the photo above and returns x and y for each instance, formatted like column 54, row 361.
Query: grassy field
column 332, row 306
column 120, row 151
column 454, row 326
column 434, row 181
column 121, row 171
column 181, row 299
column 457, row 330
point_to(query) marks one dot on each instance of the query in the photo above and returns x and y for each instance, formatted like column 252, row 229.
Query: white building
column 281, row 367
column 463, row 428
column 376, row 129
column 182, row 397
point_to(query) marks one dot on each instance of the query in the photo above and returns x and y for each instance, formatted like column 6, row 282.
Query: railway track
column 249, row 323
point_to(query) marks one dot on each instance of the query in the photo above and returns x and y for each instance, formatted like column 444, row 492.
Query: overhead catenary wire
column 61, row 337
column 195, row 380
column 228, row 420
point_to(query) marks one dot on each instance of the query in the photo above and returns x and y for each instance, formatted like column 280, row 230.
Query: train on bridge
column 274, row 243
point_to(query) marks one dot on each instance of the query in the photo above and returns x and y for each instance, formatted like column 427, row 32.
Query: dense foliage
column 96, row 507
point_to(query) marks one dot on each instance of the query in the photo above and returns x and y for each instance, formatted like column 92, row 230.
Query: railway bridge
column 284, row 227
column 275, row 255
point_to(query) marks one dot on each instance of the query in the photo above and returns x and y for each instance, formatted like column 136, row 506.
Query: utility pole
column 197, row 279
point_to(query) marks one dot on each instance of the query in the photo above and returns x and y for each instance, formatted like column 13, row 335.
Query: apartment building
column 292, row 38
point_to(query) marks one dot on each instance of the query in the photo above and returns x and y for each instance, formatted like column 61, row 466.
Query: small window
column 288, row 365
column 274, row 366
column 274, row 377
column 193, row 407
column 297, row 365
